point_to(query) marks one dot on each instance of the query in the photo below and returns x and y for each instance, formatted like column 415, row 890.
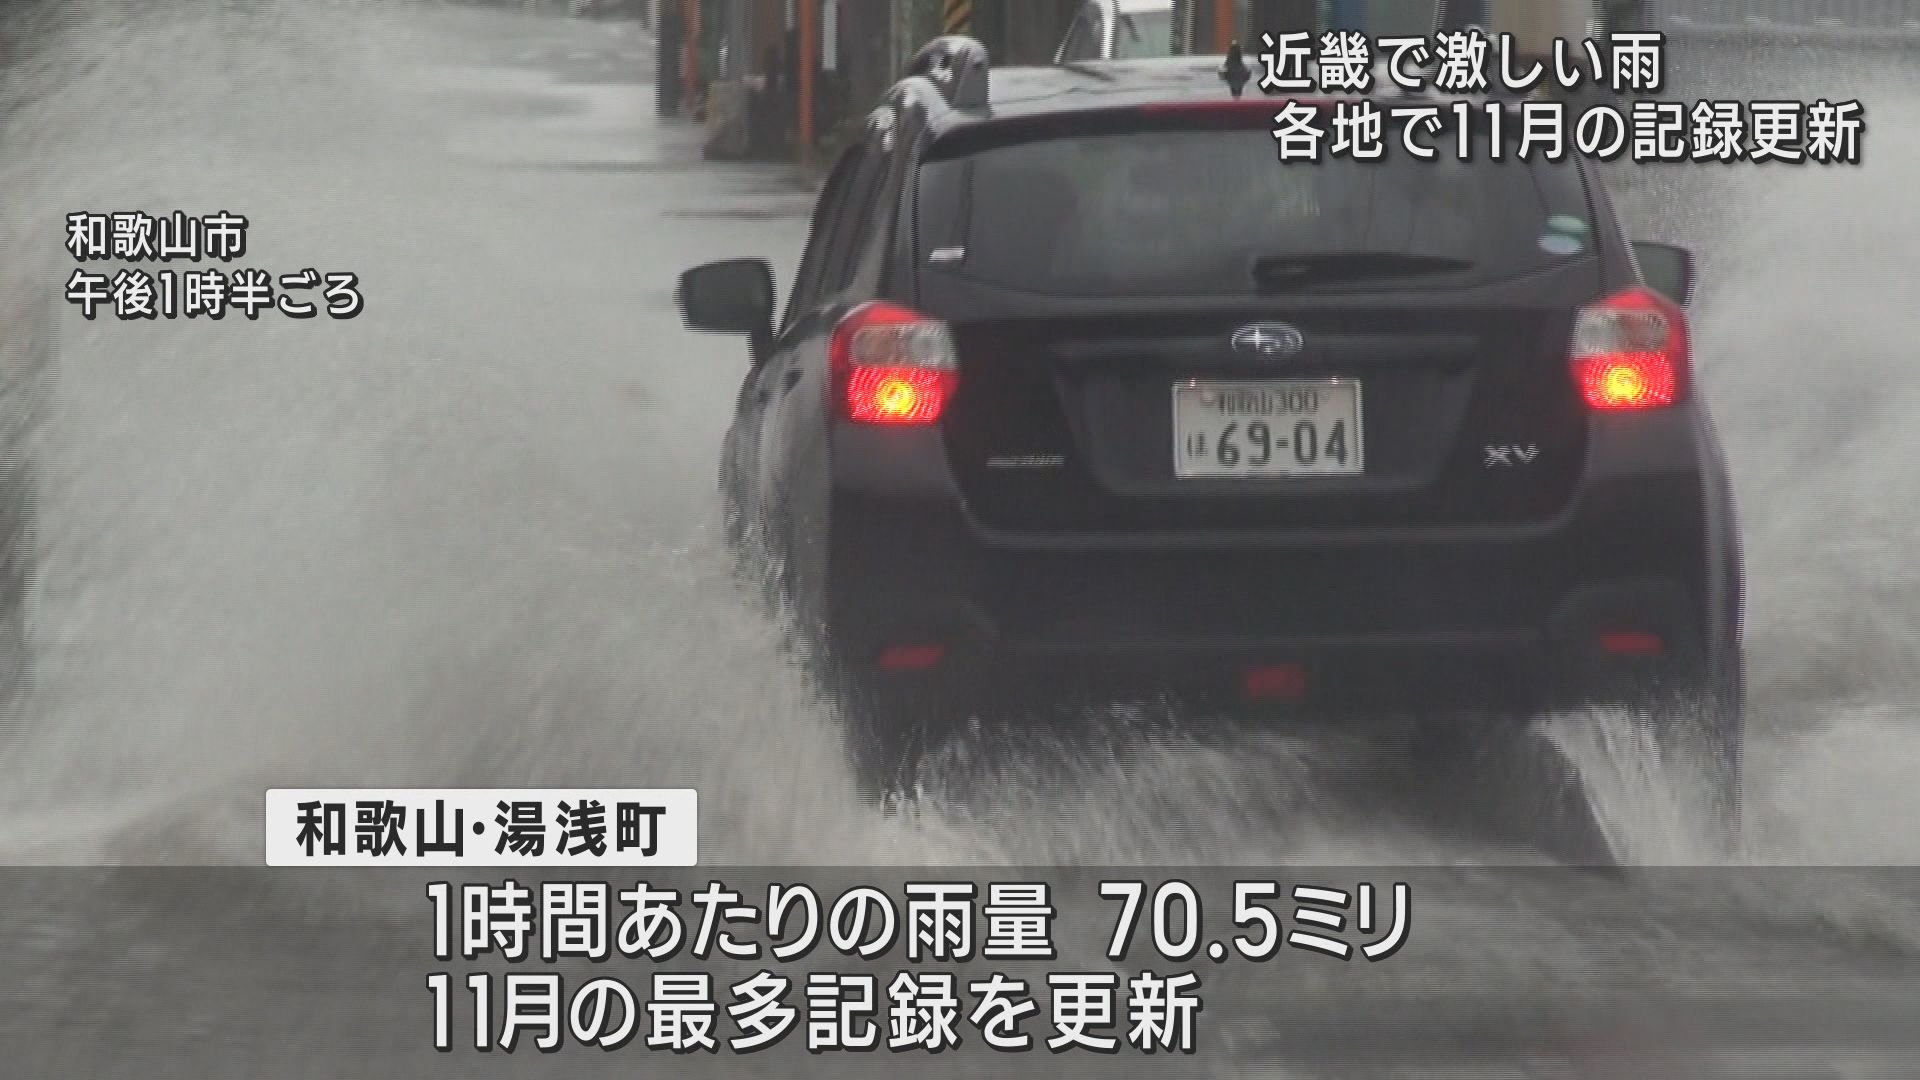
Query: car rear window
column 1189, row 212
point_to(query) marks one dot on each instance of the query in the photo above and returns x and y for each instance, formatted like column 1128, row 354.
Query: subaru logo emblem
column 1270, row 340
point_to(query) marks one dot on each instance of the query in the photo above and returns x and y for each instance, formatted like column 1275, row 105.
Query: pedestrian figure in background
column 769, row 104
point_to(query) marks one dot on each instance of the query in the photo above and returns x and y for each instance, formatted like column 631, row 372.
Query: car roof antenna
column 1235, row 72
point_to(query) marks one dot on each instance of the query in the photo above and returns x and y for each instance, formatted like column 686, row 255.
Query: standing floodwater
column 461, row 537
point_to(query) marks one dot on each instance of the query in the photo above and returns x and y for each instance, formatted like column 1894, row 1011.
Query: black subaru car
column 1082, row 389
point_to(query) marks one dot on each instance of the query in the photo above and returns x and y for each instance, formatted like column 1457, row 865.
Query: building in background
column 748, row 83
column 786, row 106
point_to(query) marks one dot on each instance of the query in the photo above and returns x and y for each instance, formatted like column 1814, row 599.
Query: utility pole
column 690, row 51
column 808, row 16
column 1225, row 32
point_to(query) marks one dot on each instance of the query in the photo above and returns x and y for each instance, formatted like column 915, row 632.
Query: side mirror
column 733, row 296
column 1667, row 269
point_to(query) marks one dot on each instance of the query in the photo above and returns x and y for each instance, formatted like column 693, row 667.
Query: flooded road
column 469, row 538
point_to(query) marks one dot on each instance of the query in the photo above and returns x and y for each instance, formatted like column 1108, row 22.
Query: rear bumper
column 1413, row 610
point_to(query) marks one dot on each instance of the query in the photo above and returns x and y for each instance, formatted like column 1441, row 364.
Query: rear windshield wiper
column 1280, row 272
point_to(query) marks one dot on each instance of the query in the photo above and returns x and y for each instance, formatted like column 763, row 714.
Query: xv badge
column 1511, row 455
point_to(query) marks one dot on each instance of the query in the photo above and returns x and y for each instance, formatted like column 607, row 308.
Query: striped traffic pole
column 956, row 17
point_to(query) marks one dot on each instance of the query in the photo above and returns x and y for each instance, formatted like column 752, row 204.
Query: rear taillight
column 1632, row 643
column 893, row 365
column 911, row 657
column 1270, row 682
column 1630, row 352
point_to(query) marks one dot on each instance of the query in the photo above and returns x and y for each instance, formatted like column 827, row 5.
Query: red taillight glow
column 886, row 395
column 1630, row 352
column 893, row 365
column 1274, row 681
column 912, row 657
column 1627, row 381
column 1632, row 643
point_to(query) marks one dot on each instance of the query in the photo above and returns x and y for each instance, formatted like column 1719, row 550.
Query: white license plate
column 1270, row 428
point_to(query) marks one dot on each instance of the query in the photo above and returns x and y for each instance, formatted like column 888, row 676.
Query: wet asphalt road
column 450, row 544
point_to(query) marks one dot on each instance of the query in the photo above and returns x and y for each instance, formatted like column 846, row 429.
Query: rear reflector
column 1630, row 352
column 911, row 657
column 1632, row 643
column 1274, row 681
